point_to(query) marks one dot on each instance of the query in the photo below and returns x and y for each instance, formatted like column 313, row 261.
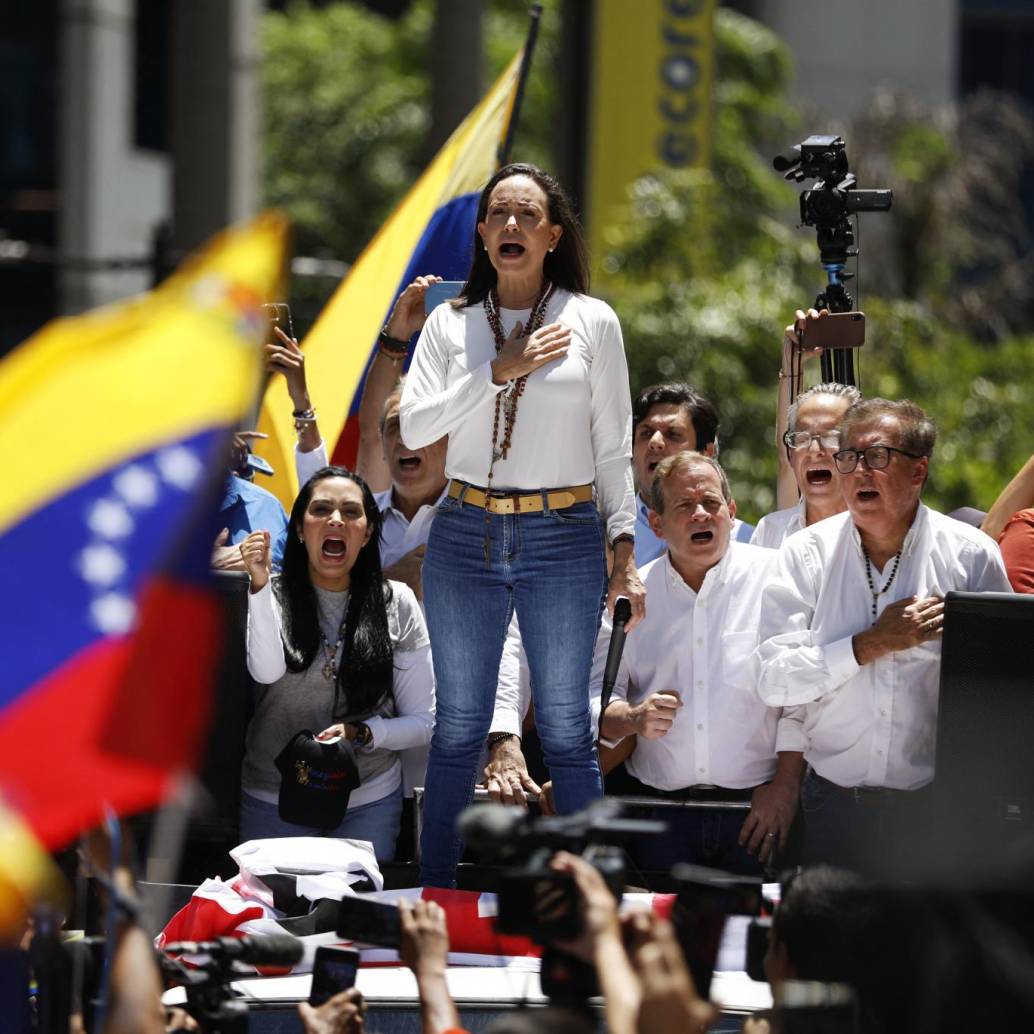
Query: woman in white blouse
column 526, row 374
column 338, row 650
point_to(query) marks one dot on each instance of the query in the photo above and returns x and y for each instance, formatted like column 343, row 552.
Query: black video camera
column 538, row 902
column 833, row 198
column 210, row 1000
column 535, row 900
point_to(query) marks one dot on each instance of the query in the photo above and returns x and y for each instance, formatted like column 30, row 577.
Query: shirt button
column 701, row 771
column 700, row 684
column 700, row 641
column 880, row 753
column 700, row 726
column 883, row 712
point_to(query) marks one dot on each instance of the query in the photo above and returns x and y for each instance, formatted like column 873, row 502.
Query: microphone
column 265, row 950
column 622, row 613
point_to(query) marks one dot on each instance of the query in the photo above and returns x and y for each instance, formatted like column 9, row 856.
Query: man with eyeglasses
column 849, row 643
column 811, row 438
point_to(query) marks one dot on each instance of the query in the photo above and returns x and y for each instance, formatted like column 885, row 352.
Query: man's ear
column 655, row 523
column 732, row 508
column 922, row 471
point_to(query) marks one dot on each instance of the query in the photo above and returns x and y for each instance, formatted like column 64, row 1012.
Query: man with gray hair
column 685, row 686
column 850, row 630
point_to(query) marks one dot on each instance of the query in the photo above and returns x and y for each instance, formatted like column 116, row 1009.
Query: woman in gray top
column 337, row 649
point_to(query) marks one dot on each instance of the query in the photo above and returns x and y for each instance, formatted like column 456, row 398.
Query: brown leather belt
column 520, row 502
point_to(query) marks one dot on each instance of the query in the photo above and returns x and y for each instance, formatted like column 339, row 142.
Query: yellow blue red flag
column 431, row 231
column 113, row 428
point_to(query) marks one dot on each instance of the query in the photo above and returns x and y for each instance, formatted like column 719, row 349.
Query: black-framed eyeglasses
column 876, row 457
column 803, row 439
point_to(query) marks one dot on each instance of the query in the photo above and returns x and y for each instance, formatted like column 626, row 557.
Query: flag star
column 113, row 613
column 110, row 519
column 179, row 467
column 209, row 291
column 137, row 485
column 101, row 564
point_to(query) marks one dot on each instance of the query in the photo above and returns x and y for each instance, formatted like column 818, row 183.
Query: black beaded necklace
column 890, row 581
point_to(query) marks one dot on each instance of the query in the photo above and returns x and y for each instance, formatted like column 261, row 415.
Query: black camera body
column 829, row 203
column 534, row 899
column 538, row 902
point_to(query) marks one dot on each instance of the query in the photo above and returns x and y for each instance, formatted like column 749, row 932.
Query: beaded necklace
column 506, row 400
column 868, row 577
column 330, row 653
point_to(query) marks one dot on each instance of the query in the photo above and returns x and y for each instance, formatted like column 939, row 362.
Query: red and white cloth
column 293, row 885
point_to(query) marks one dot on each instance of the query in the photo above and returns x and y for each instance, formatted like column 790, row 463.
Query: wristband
column 388, row 343
column 623, row 537
column 495, row 738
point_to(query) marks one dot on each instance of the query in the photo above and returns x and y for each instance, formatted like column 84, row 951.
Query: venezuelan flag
column 113, row 427
column 431, row 231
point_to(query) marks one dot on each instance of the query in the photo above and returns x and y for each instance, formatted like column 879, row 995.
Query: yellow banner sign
column 653, row 63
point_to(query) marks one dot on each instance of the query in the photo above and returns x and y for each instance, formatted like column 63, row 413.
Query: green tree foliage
column 707, row 267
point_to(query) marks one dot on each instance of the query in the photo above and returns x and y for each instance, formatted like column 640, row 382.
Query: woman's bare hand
column 409, row 312
column 523, row 354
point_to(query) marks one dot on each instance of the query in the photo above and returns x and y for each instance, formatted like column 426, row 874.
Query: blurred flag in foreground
column 113, row 429
column 431, row 231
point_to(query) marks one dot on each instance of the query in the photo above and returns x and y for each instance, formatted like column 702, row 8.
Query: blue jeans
column 550, row 567
column 695, row 835
column 377, row 822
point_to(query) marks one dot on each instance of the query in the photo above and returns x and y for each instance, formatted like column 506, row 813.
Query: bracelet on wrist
column 387, row 343
column 304, row 414
column 495, row 738
column 623, row 537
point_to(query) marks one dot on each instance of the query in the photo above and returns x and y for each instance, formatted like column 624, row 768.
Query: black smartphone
column 278, row 314
column 333, row 970
column 835, row 330
column 369, row 922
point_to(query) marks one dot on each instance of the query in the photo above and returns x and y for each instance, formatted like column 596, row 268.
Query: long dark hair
column 567, row 265
column 365, row 668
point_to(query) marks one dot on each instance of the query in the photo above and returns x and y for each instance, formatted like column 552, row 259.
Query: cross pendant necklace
column 331, row 652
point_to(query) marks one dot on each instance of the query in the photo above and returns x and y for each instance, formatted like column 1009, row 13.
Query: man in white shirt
column 850, row 631
column 666, row 419
column 685, row 687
